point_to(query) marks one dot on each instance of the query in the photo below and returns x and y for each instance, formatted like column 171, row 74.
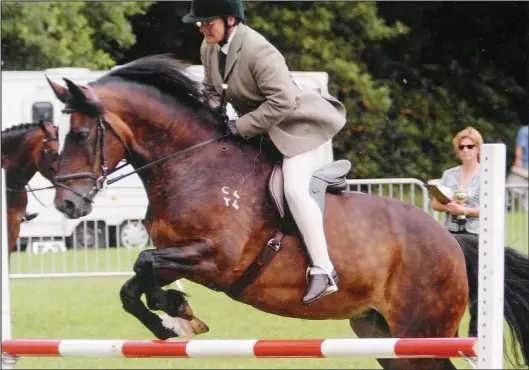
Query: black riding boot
column 320, row 285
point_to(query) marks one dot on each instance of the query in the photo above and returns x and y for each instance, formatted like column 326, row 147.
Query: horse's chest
column 163, row 234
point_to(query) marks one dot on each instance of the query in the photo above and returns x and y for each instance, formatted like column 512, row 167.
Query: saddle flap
column 275, row 185
column 333, row 172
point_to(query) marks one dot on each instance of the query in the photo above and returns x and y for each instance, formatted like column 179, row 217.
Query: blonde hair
column 471, row 133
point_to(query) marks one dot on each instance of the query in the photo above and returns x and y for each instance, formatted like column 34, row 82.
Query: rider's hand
column 232, row 128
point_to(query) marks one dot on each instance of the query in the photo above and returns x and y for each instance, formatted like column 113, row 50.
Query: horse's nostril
column 67, row 206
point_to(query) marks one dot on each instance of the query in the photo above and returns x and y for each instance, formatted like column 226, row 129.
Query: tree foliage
column 93, row 35
column 411, row 75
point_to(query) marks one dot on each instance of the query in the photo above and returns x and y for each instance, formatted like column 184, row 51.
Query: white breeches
column 297, row 172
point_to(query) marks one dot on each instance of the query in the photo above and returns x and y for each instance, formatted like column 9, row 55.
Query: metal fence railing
column 98, row 257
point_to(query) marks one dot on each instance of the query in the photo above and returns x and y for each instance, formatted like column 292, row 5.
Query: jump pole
column 488, row 349
column 491, row 256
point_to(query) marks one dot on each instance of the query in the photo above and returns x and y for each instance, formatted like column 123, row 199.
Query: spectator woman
column 463, row 215
column 463, row 179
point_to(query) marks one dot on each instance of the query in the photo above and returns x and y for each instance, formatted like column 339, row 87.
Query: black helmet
column 205, row 10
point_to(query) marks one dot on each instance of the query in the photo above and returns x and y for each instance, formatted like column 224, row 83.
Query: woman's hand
column 455, row 208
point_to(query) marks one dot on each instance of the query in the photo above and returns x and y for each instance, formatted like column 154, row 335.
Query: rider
column 261, row 90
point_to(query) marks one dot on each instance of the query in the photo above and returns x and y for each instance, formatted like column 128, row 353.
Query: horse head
column 30, row 147
column 126, row 114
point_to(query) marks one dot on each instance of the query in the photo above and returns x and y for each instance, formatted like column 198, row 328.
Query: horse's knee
column 144, row 263
column 130, row 294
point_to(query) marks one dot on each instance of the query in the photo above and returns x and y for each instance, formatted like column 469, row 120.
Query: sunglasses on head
column 469, row 147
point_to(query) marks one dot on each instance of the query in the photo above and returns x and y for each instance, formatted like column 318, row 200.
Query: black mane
column 166, row 74
column 21, row 129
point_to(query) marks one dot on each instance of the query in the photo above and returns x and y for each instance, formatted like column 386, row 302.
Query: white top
column 450, row 179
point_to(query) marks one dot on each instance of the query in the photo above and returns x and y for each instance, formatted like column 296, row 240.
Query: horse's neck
column 18, row 158
column 215, row 167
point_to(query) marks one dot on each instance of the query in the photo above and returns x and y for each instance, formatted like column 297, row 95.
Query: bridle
column 95, row 110
column 47, row 152
column 99, row 184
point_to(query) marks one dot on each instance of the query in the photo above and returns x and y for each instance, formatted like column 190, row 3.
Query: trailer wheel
column 91, row 236
column 133, row 234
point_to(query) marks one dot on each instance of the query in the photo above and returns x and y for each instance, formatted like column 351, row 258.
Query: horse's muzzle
column 74, row 209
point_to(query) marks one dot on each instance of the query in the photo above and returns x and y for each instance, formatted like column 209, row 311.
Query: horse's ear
column 60, row 92
column 75, row 91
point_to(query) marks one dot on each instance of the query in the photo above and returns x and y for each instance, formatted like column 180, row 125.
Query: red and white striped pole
column 264, row 348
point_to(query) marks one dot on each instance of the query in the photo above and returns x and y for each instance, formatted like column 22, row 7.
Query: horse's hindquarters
column 395, row 258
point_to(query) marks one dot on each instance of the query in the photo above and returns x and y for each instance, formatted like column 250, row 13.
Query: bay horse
column 215, row 218
column 27, row 148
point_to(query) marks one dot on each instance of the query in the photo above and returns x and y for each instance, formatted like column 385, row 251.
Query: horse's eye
column 81, row 137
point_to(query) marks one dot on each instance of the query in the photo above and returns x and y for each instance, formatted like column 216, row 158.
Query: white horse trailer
column 118, row 209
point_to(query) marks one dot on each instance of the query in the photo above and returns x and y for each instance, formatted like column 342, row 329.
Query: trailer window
column 42, row 111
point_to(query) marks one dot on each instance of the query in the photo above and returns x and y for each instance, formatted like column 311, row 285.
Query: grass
column 89, row 308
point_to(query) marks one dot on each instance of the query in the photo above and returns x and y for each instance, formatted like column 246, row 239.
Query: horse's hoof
column 199, row 327
column 183, row 328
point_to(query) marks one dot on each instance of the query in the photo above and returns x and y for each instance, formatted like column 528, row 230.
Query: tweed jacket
column 261, row 91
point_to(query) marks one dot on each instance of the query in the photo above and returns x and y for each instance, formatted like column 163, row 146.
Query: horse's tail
column 516, row 292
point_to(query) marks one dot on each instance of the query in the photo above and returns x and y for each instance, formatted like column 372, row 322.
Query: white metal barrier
column 394, row 188
column 118, row 261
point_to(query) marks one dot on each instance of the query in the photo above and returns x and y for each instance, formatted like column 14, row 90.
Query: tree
column 66, row 34
column 161, row 30
column 332, row 37
column 459, row 66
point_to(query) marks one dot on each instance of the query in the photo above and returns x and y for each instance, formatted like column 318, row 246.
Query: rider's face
column 213, row 30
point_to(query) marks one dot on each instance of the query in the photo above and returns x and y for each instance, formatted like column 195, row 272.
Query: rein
column 101, row 180
column 94, row 109
column 166, row 158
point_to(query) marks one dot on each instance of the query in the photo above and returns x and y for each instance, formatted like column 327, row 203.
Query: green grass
column 89, row 308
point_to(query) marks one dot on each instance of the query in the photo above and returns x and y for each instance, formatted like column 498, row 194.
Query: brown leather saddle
column 330, row 178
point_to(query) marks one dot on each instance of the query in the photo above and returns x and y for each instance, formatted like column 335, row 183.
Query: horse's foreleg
column 130, row 295
column 156, row 268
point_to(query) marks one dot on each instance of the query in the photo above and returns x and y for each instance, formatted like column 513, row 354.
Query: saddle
column 330, row 178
